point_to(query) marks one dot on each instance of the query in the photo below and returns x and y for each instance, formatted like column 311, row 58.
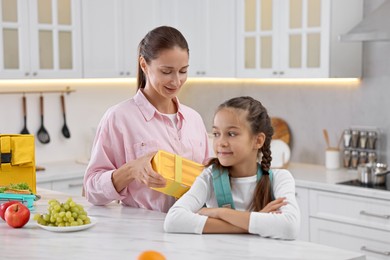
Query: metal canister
column 372, row 157
column 354, row 159
column 362, row 139
column 347, row 138
column 371, row 140
column 347, row 158
column 354, row 138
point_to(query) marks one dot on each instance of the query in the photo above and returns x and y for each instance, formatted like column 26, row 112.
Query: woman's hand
column 142, row 171
column 274, row 206
column 138, row 170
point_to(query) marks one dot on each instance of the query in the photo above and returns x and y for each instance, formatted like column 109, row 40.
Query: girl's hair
column 155, row 41
column 260, row 122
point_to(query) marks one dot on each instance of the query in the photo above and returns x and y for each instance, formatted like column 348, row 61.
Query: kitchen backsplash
column 307, row 109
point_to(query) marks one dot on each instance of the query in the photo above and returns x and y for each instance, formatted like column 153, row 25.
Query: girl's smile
column 234, row 144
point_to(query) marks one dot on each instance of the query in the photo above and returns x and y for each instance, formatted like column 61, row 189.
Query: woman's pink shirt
column 130, row 130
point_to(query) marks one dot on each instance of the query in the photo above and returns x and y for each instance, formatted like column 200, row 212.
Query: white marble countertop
column 318, row 177
column 124, row 232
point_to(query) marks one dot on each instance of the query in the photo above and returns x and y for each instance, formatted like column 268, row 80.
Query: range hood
column 374, row 27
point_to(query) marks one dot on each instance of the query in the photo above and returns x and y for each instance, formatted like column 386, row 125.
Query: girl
column 131, row 132
column 242, row 133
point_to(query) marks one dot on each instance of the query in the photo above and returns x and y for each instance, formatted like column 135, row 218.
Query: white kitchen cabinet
column 64, row 176
column 40, row 39
column 71, row 186
column 302, row 196
column 350, row 222
column 297, row 38
column 112, row 30
column 374, row 243
column 208, row 26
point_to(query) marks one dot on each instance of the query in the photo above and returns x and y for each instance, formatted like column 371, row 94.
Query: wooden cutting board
column 281, row 130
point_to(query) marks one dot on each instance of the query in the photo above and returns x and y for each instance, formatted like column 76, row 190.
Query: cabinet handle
column 364, row 248
column 75, row 185
column 275, row 73
column 121, row 73
column 362, row 212
column 128, row 73
column 281, row 72
column 26, row 74
column 34, row 73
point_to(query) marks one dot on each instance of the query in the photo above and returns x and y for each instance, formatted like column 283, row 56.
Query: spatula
column 65, row 129
column 43, row 135
column 326, row 136
column 24, row 130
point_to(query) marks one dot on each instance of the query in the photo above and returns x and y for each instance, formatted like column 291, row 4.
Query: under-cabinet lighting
column 127, row 81
column 56, row 82
column 282, row 81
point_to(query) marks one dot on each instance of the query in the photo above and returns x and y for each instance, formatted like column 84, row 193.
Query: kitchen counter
column 61, row 170
column 318, row 177
column 123, row 233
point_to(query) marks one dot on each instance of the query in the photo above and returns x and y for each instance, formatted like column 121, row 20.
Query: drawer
column 356, row 210
column 44, row 185
column 375, row 244
column 72, row 186
column 302, row 196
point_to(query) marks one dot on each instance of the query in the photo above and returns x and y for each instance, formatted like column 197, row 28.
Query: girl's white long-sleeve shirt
column 183, row 216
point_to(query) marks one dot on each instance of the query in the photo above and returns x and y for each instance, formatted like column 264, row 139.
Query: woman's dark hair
column 155, row 41
column 260, row 122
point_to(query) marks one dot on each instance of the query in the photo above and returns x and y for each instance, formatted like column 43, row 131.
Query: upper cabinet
column 40, row 39
column 112, row 30
column 209, row 27
column 227, row 38
column 297, row 38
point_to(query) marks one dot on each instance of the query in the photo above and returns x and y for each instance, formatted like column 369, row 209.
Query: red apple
column 4, row 206
column 17, row 215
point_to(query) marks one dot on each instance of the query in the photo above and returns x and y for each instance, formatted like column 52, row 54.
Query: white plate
column 280, row 153
column 70, row 229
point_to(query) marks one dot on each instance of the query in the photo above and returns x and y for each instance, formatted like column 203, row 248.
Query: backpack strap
column 222, row 189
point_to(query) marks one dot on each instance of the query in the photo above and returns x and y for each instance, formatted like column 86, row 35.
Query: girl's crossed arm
column 226, row 220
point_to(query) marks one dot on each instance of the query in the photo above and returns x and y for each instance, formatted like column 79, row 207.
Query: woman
column 131, row 132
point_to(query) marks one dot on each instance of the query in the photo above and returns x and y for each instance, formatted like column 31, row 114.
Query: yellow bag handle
column 5, row 150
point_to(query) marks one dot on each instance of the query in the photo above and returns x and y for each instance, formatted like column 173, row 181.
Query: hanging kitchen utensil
column 65, row 129
column 24, row 130
column 326, row 136
column 43, row 135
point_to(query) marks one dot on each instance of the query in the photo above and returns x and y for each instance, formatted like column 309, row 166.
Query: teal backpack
column 222, row 188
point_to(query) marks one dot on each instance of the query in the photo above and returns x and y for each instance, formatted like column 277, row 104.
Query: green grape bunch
column 67, row 214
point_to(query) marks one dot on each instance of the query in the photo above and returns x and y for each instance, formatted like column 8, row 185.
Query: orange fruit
column 151, row 255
